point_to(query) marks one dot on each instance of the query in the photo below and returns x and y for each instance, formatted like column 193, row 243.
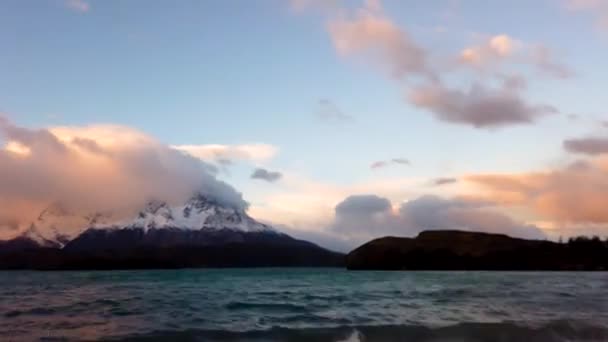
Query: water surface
column 303, row 304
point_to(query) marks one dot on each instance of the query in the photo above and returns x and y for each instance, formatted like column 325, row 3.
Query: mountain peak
column 198, row 213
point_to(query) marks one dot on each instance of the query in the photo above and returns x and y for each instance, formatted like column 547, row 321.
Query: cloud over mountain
column 96, row 168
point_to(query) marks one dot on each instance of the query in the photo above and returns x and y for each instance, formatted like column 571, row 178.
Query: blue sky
column 243, row 72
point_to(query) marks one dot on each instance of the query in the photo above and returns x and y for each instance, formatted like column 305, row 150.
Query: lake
column 283, row 304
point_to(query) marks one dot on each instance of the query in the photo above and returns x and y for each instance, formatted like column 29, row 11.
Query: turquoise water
column 303, row 304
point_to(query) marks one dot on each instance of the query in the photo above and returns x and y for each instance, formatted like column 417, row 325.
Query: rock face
column 459, row 250
column 199, row 233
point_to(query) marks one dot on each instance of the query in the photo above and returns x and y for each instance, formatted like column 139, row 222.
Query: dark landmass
column 167, row 248
column 459, row 250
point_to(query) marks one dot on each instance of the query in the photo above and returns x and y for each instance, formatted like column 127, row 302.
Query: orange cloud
column 577, row 193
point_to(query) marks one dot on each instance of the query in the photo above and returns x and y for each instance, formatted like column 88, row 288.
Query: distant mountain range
column 200, row 233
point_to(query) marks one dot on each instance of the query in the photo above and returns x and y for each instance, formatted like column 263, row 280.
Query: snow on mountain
column 33, row 234
column 56, row 226
column 199, row 213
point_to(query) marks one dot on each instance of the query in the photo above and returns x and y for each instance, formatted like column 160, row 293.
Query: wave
column 286, row 307
column 474, row 332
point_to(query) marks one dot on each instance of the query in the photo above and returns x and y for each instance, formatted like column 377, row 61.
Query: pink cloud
column 369, row 32
column 78, row 5
column 96, row 168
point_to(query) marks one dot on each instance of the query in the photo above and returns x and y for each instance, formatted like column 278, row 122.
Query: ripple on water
column 78, row 305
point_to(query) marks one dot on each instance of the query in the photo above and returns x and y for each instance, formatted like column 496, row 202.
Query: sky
column 337, row 121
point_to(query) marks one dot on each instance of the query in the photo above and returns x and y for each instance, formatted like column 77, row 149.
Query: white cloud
column 249, row 152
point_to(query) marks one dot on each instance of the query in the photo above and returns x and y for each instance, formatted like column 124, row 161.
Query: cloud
column 598, row 9
column 324, row 239
column 589, row 145
column 384, row 163
column 401, row 161
column 224, row 161
column 542, row 58
column 368, row 216
column 502, row 48
column 378, row 164
column 249, row 152
column 95, row 169
column 370, row 33
column 576, row 193
column 263, row 174
column 362, row 205
column 444, row 181
column 480, row 106
column 512, row 82
column 494, row 49
column 78, row 5
column 307, row 204
column 330, row 113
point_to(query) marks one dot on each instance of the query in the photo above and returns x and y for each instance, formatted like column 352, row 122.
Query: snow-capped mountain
column 199, row 222
column 55, row 226
column 199, row 213
column 199, row 233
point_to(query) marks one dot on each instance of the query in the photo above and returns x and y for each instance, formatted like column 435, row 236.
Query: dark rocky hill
column 460, row 250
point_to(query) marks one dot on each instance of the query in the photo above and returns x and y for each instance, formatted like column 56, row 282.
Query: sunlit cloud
column 96, row 169
column 369, row 32
column 575, row 193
